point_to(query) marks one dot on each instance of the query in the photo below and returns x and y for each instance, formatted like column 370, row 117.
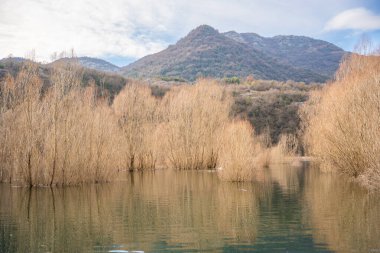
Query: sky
column 122, row 31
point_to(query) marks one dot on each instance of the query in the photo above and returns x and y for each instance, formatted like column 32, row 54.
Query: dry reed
column 58, row 136
column 195, row 114
column 285, row 150
column 237, row 151
column 342, row 121
column 66, row 134
column 138, row 116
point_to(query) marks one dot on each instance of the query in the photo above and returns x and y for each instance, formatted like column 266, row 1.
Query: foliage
column 232, row 80
column 172, row 79
column 271, row 105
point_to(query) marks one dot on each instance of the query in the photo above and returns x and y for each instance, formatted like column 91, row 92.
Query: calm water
column 290, row 210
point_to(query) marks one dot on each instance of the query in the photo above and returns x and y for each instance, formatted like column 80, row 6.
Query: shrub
column 136, row 109
column 232, row 80
column 237, row 152
column 64, row 135
column 342, row 121
column 195, row 114
column 286, row 149
column 172, row 79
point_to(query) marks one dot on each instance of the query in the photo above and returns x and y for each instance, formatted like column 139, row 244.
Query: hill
column 111, row 81
column 92, row 63
column 208, row 53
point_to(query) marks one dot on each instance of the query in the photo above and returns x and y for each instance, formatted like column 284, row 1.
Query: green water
column 288, row 210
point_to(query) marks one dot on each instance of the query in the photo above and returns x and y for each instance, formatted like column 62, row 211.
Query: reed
column 286, row 149
column 341, row 122
column 237, row 152
column 195, row 114
column 59, row 136
column 67, row 134
column 138, row 115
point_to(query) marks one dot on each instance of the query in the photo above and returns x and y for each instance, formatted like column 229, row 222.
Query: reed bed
column 342, row 121
column 66, row 133
column 59, row 136
column 237, row 152
column 195, row 115
column 138, row 117
column 286, row 149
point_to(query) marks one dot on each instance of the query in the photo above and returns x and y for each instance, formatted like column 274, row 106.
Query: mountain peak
column 203, row 30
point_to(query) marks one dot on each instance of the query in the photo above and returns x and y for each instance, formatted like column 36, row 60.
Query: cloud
column 354, row 19
column 125, row 28
column 135, row 28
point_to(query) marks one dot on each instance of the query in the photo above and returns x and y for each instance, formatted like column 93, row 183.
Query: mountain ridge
column 283, row 46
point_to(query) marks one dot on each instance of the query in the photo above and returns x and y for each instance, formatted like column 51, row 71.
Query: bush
column 232, row 80
column 61, row 136
column 195, row 114
column 342, row 121
column 172, row 79
column 237, row 152
column 137, row 113
column 68, row 134
column 286, row 149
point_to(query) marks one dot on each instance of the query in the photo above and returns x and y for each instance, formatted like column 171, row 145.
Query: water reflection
column 59, row 220
column 343, row 215
column 293, row 209
column 165, row 210
column 187, row 210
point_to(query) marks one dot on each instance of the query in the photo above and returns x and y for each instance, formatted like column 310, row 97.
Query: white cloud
column 354, row 19
column 134, row 28
column 92, row 28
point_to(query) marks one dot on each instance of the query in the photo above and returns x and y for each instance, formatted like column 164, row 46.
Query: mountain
column 92, row 63
column 206, row 52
